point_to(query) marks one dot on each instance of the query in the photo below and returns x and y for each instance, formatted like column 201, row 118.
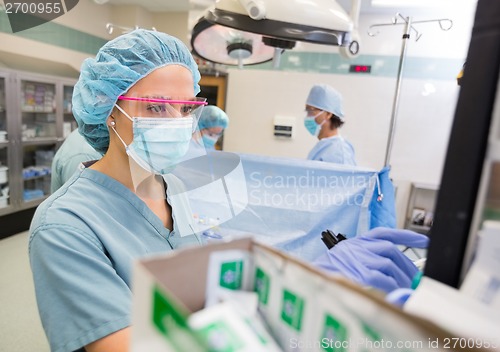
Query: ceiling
column 197, row 8
column 165, row 5
column 367, row 6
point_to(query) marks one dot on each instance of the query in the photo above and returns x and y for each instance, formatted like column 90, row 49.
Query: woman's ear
column 111, row 121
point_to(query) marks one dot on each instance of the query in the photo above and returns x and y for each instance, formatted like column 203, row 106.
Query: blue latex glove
column 373, row 259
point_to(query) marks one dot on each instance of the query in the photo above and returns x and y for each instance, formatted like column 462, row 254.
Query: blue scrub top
column 72, row 153
column 84, row 239
column 334, row 150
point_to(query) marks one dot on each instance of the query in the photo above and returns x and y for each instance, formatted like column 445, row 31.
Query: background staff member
column 324, row 118
column 213, row 121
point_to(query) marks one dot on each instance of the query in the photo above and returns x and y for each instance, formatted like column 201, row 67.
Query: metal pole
column 276, row 58
column 392, row 127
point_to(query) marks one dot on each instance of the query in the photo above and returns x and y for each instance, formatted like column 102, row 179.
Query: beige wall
column 129, row 16
column 25, row 54
column 91, row 18
column 29, row 55
column 87, row 17
column 173, row 23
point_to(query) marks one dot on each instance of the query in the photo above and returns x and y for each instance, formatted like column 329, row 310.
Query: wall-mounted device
column 284, row 127
column 360, row 68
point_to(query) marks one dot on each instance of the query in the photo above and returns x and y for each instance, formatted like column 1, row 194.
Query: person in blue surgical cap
column 211, row 125
column 213, row 121
column 324, row 118
column 136, row 104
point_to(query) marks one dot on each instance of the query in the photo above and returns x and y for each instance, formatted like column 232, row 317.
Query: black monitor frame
column 467, row 147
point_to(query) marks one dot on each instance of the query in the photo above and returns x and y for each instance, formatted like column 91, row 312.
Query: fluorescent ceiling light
column 420, row 3
column 410, row 3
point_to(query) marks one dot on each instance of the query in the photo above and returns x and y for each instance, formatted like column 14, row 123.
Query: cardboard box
column 304, row 308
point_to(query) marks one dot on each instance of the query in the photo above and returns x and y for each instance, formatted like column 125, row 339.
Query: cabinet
column 5, row 173
column 35, row 117
column 421, row 204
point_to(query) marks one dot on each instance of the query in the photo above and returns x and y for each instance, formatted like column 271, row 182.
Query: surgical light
column 279, row 24
column 228, row 46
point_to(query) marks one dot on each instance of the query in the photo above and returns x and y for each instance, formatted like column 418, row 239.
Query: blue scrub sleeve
column 66, row 167
column 80, row 297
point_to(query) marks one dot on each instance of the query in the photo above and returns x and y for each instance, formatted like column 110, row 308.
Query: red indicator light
column 360, row 68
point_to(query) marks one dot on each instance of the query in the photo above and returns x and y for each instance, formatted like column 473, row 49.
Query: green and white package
column 225, row 329
column 231, row 269
column 297, row 308
column 336, row 329
column 267, row 283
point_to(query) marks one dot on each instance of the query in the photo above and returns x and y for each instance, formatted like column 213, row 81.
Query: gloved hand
column 373, row 259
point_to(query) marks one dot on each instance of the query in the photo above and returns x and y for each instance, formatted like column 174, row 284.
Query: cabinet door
column 38, row 138
column 5, row 149
column 69, row 122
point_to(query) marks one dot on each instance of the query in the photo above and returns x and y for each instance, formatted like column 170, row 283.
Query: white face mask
column 159, row 144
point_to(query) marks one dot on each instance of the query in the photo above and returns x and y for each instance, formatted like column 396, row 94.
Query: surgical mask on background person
column 311, row 125
column 159, row 143
column 209, row 141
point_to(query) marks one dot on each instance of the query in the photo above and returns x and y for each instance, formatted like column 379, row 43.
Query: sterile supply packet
column 297, row 308
column 226, row 328
column 375, row 329
column 245, row 301
column 230, row 269
column 267, row 284
column 334, row 329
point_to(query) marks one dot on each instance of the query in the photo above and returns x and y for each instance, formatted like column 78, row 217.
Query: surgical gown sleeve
column 80, row 284
column 334, row 150
column 73, row 151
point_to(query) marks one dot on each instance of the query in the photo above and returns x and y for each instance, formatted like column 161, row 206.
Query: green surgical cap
column 118, row 65
column 212, row 116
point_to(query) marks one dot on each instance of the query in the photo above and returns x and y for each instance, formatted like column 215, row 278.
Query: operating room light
column 228, row 46
column 279, row 24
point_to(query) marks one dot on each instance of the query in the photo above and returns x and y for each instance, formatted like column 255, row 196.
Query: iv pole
column 408, row 23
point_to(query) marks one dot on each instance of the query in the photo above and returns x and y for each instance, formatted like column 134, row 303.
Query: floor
column 20, row 327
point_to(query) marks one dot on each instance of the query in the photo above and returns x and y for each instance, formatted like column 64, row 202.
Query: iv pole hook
column 445, row 24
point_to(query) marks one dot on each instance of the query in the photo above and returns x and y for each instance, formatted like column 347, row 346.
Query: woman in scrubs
column 324, row 118
column 136, row 104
